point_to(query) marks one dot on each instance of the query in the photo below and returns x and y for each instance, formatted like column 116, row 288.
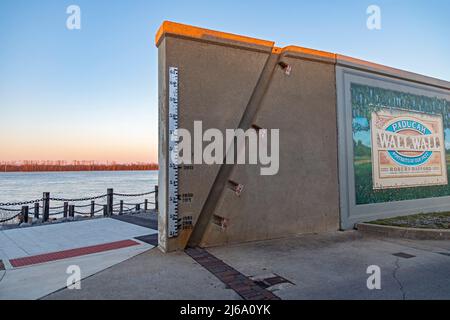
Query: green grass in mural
column 365, row 193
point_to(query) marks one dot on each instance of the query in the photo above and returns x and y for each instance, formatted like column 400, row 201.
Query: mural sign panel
column 408, row 149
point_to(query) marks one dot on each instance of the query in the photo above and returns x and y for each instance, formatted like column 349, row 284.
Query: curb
column 402, row 232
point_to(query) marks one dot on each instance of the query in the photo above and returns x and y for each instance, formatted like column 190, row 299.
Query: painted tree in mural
column 366, row 99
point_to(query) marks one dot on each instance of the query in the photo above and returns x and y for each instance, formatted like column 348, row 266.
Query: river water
column 19, row 186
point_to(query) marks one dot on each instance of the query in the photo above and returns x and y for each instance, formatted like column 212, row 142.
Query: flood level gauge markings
column 173, row 152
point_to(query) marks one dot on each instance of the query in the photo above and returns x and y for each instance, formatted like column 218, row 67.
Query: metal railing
column 42, row 210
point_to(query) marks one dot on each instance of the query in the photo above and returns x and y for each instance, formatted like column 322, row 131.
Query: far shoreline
column 49, row 171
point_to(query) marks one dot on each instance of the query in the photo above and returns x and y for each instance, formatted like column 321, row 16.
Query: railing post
column 121, row 208
column 36, row 210
column 46, row 206
column 92, row 208
column 138, row 207
column 109, row 201
column 146, row 204
column 72, row 211
column 156, row 198
column 25, row 214
column 105, row 210
column 66, row 209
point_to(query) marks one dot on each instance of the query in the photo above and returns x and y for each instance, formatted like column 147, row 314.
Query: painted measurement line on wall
column 173, row 152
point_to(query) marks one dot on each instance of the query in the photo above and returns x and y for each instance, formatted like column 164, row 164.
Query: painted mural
column 401, row 144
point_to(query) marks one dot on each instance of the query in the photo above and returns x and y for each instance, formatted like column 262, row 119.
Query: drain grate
column 403, row 255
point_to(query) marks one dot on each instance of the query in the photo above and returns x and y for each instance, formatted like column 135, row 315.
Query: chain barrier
column 10, row 218
column 133, row 204
column 133, row 195
column 83, row 206
column 100, row 204
column 22, row 203
column 79, row 199
column 88, row 213
column 10, row 204
column 10, row 210
column 54, row 208
column 55, row 213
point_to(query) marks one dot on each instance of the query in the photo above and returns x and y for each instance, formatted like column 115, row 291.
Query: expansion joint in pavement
column 394, row 275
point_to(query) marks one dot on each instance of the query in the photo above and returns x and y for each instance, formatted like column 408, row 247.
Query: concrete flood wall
column 228, row 82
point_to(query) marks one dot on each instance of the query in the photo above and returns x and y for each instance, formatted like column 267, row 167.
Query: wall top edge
column 354, row 63
column 173, row 28
column 188, row 31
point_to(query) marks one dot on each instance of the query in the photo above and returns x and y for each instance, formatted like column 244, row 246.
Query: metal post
column 36, row 210
column 121, row 207
column 109, row 201
column 146, row 204
column 25, row 214
column 66, row 209
column 72, row 211
column 156, row 198
column 105, row 210
column 92, row 208
column 138, row 207
column 46, row 206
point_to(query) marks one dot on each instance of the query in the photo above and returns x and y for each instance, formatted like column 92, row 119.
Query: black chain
column 87, row 213
column 9, row 204
column 133, row 204
column 82, row 213
column 83, row 206
column 100, row 205
column 56, row 213
column 79, row 199
column 10, row 210
column 133, row 195
column 11, row 218
column 54, row 208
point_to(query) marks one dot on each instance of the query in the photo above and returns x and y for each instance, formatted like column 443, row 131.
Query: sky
column 91, row 94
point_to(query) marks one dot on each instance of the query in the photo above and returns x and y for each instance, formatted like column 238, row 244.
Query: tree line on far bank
column 39, row 166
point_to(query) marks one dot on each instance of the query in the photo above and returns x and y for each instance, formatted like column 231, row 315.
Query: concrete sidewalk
column 330, row 266
column 36, row 259
column 151, row 275
column 22, row 242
